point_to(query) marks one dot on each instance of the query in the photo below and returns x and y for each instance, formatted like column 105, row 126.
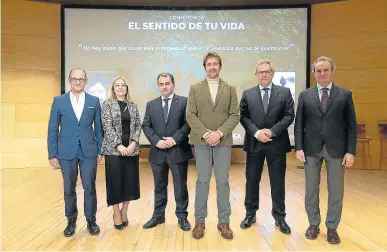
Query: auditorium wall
column 352, row 32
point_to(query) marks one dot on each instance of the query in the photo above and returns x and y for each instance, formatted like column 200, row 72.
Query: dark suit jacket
column 336, row 128
column 279, row 116
column 155, row 129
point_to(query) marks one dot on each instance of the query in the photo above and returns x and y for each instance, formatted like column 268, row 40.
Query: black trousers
column 179, row 175
column 277, row 169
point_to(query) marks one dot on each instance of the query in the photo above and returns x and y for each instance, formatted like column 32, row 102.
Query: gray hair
column 261, row 62
column 324, row 59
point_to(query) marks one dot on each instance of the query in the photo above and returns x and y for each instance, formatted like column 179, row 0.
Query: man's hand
column 169, row 141
column 131, row 147
column 54, row 163
column 300, row 156
column 99, row 159
column 348, row 160
column 161, row 144
column 263, row 137
column 267, row 132
column 213, row 138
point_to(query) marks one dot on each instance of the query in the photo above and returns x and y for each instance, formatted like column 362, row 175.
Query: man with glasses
column 75, row 139
column 267, row 110
column 326, row 130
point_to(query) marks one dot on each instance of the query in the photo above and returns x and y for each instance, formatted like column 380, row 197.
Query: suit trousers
column 277, row 169
column 160, row 176
column 335, row 179
column 221, row 156
column 88, row 170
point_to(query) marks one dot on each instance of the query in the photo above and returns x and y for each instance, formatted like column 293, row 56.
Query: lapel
column 159, row 109
column 316, row 98
column 70, row 107
column 172, row 109
column 219, row 92
column 273, row 98
column 257, row 91
column 332, row 96
column 85, row 107
column 208, row 93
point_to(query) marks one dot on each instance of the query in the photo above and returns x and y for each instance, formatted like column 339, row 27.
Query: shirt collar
column 170, row 97
column 319, row 87
column 262, row 87
column 73, row 96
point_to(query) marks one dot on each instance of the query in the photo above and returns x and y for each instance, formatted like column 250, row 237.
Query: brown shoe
column 198, row 231
column 333, row 236
column 225, row 230
column 312, row 232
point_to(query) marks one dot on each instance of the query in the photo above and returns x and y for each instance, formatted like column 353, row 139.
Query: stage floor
column 32, row 215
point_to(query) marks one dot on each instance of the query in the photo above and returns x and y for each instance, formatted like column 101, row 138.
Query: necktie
column 165, row 108
column 324, row 98
column 265, row 99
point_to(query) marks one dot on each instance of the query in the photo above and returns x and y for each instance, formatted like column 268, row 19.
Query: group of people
column 80, row 133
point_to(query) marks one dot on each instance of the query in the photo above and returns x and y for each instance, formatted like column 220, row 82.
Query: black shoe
column 119, row 226
column 92, row 227
column 125, row 223
column 184, row 224
column 70, row 229
column 333, row 236
column 247, row 221
column 284, row 228
column 153, row 222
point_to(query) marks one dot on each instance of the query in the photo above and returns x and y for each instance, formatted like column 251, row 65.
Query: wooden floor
column 32, row 215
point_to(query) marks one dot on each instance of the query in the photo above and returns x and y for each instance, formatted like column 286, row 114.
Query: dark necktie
column 165, row 108
column 265, row 99
column 324, row 98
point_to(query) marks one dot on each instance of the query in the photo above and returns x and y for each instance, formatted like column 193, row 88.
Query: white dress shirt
column 77, row 104
column 169, row 101
column 263, row 91
column 268, row 96
column 319, row 88
column 169, row 107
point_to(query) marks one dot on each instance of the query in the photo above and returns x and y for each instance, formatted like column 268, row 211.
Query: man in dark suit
column 166, row 128
column 267, row 110
column 76, row 143
column 325, row 130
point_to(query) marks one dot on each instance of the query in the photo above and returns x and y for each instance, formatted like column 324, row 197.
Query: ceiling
column 198, row 3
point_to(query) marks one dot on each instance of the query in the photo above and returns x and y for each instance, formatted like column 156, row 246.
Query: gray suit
column 325, row 135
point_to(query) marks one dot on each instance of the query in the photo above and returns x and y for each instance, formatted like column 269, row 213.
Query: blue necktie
column 165, row 108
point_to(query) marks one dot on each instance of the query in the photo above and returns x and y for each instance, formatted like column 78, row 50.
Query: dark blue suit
column 76, row 143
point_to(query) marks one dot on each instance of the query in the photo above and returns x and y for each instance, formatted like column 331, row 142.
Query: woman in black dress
column 120, row 146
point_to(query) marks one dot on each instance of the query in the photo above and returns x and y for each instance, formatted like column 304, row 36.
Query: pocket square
column 90, row 107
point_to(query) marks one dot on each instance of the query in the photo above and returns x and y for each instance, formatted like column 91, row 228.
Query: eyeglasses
column 320, row 71
column 74, row 80
column 264, row 72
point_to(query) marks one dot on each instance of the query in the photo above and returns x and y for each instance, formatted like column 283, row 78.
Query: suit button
column 79, row 124
column 322, row 132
